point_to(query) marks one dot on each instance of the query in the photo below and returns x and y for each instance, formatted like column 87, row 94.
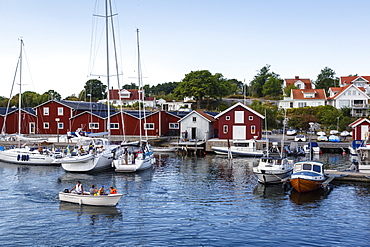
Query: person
column 78, row 188
column 93, row 190
column 101, row 191
column 113, row 190
column 69, row 136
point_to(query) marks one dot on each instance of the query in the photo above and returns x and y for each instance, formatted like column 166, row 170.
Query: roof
column 11, row 110
column 340, row 90
column 350, row 79
column 178, row 114
column 299, row 94
column 358, row 122
column 80, row 105
column 140, row 114
column 307, row 82
column 242, row 105
column 202, row 114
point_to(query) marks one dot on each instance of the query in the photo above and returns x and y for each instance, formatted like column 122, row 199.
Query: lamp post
column 57, row 120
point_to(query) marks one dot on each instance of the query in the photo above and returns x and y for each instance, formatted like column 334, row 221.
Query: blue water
column 183, row 201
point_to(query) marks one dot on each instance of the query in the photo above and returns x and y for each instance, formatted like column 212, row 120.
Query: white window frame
column 227, row 118
column 46, row 111
column 149, row 126
column 239, row 116
column 250, row 118
column 194, row 119
column 114, row 126
column 173, row 126
column 60, row 111
column 46, row 125
column 93, row 126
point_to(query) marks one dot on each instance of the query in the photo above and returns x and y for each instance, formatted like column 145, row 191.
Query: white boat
column 314, row 146
column 87, row 199
column 362, row 161
column 143, row 158
column 354, row 145
column 321, row 133
column 164, row 149
column 90, row 155
column 345, row 133
column 241, row 148
column 322, row 138
column 308, row 176
column 334, row 138
column 273, row 168
column 23, row 154
column 334, row 132
column 291, row 132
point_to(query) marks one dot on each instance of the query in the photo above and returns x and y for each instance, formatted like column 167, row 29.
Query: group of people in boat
column 79, row 189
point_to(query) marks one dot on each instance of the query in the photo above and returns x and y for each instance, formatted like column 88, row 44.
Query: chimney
column 297, row 77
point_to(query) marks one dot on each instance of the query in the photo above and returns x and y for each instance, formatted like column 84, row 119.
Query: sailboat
column 132, row 158
column 24, row 154
column 273, row 167
column 93, row 153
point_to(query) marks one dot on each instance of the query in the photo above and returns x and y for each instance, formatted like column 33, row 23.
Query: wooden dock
column 348, row 176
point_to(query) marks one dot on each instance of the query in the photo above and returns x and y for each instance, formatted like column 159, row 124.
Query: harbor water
column 182, row 201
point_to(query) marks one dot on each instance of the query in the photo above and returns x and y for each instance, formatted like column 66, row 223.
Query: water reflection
column 309, row 197
column 273, row 190
column 95, row 213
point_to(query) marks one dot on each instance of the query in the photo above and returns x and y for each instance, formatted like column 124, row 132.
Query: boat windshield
column 317, row 168
column 307, row 167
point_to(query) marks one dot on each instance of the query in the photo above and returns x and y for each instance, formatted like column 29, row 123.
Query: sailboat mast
column 107, row 50
column 139, row 79
column 20, row 88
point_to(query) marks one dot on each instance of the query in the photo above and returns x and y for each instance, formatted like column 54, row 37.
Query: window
column 173, row 126
column 60, row 125
column 225, row 129
column 46, row 111
column 60, row 111
column 194, row 119
column 93, row 125
column 46, row 125
column 114, row 125
column 239, row 117
column 250, row 118
column 344, row 103
column 149, row 126
column 227, row 117
column 253, row 129
column 302, row 104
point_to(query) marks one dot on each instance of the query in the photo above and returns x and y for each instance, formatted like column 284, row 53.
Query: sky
column 233, row 37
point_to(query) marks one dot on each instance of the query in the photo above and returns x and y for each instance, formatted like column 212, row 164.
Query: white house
column 358, row 81
column 197, row 125
column 352, row 97
column 304, row 97
column 300, row 83
column 128, row 97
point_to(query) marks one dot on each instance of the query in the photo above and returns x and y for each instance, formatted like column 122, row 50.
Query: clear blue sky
column 233, row 37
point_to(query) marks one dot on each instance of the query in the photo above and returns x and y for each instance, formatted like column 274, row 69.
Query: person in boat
column 125, row 155
column 39, row 148
column 78, row 188
column 113, row 190
column 101, row 191
column 93, row 190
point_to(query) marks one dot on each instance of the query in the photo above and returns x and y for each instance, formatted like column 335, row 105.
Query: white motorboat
column 241, row 148
column 321, row 133
column 362, row 161
column 291, row 132
column 314, row 146
column 131, row 161
column 354, row 145
column 345, row 133
column 164, row 149
column 334, row 132
column 23, row 154
column 90, row 155
column 87, row 199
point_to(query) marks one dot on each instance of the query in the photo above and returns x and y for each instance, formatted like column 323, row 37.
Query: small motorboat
column 354, row 145
column 291, row 132
column 334, row 138
column 314, row 146
column 241, row 148
column 308, row 176
column 87, row 199
column 334, row 132
column 321, row 133
column 164, row 149
column 345, row 133
column 322, row 138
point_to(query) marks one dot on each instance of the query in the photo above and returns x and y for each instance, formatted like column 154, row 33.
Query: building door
column 239, row 132
column 364, row 132
column 193, row 133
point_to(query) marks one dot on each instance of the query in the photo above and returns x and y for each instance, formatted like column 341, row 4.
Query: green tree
column 130, row 86
column 272, row 87
column 269, row 110
column 3, row 101
column 49, row 95
column 326, row 79
column 288, row 89
column 72, row 97
column 96, row 89
column 256, row 85
column 202, row 84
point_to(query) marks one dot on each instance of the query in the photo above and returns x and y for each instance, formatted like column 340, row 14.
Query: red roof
column 350, row 79
column 299, row 93
column 339, row 90
column 307, row 82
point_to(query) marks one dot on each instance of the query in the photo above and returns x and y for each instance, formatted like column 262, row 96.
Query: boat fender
column 27, row 157
column 18, row 157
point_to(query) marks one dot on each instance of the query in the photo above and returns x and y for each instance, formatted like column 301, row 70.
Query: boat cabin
column 309, row 167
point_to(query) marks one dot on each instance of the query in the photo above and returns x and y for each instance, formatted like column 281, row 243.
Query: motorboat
column 322, row 138
column 354, row 145
column 294, row 149
column 271, row 170
column 241, row 148
column 164, row 149
column 300, row 138
column 308, row 176
column 132, row 159
column 314, row 146
column 321, row 133
column 362, row 161
column 89, row 155
column 334, row 132
column 334, row 138
column 291, row 132
column 345, row 133
column 87, row 199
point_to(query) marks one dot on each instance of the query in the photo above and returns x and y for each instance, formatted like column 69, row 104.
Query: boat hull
column 22, row 156
column 87, row 163
column 139, row 165
column 87, row 199
column 271, row 177
column 305, row 185
column 238, row 152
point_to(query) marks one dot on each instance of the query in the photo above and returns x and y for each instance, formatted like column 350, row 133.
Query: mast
column 20, row 89
column 107, row 50
column 141, row 93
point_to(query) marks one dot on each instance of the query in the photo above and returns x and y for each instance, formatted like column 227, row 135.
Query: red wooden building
column 239, row 122
column 11, row 118
column 360, row 129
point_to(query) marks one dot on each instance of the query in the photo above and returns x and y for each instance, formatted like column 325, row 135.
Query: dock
column 348, row 176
